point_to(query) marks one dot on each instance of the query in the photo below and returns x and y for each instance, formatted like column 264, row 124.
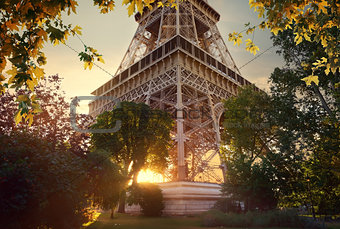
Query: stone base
column 186, row 198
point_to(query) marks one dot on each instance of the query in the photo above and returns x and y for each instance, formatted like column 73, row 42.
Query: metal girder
column 161, row 24
column 191, row 90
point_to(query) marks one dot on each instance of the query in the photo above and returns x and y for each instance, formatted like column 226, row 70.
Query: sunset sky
column 111, row 34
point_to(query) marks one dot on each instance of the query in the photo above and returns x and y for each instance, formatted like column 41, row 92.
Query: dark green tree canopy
column 298, row 164
column 143, row 139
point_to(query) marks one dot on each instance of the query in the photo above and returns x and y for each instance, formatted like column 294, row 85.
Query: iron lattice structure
column 177, row 61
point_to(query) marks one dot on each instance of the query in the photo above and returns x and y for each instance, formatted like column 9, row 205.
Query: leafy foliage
column 256, row 173
column 300, row 159
column 41, row 185
column 48, row 176
column 53, row 123
column 148, row 196
column 313, row 129
column 106, row 181
column 227, row 205
column 311, row 21
column 142, row 141
column 25, row 27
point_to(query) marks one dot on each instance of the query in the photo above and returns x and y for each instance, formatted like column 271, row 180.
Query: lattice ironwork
column 178, row 62
column 191, row 21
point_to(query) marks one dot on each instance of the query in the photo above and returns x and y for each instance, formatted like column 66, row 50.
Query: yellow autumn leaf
column 298, row 38
column 55, row 42
column 328, row 69
column 38, row 72
column 100, row 59
column 66, row 34
column 249, row 42
column 10, row 80
column 131, row 8
column 88, row 64
column 232, row 36
column 254, row 49
column 306, row 36
column 29, row 118
column 261, row 11
column 321, row 7
column 139, row 5
column 42, row 33
column 13, row 72
column 263, row 25
column 255, row 5
column 238, row 41
column 17, row 118
column 174, row 5
column 23, row 98
column 334, row 69
column 310, row 79
column 40, row 22
column 12, row 26
column 125, row 2
column 77, row 30
column 160, row 4
column 73, row 5
column 236, row 37
column 250, row 30
column 288, row 26
column 276, row 30
column 337, row 85
column 36, row 108
column 30, row 84
column 93, row 50
column 324, row 41
column 251, row 47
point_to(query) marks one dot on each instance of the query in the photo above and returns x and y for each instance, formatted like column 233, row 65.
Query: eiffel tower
column 177, row 61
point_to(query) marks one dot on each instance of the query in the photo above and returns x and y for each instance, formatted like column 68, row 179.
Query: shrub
column 275, row 218
column 213, row 218
column 149, row 197
column 40, row 185
column 227, row 205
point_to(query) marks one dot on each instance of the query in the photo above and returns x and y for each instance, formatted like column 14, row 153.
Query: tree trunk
column 121, row 207
column 112, row 212
column 324, row 103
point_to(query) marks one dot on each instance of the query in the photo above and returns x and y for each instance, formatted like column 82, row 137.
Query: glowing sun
column 150, row 176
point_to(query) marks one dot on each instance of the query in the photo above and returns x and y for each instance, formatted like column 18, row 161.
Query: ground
column 138, row 222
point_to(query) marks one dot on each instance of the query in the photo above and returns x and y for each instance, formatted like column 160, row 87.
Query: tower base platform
column 186, row 198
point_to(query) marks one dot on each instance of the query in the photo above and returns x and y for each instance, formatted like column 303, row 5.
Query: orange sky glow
column 111, row 34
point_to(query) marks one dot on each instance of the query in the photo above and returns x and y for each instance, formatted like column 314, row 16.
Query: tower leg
column 180, row 130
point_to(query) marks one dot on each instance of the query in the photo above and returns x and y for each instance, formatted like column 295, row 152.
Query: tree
column 257, row 173
column 41, row 185
column 301, row 162
column 311, row 21
column 106, row 182
column 49, row 157
column 52, row 123
column 310, row 129
column 142, row 141
column 149, row 196
column 25, row 26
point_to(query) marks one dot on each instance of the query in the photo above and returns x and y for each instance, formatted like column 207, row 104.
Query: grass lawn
column 138, row 222
column 333, row 226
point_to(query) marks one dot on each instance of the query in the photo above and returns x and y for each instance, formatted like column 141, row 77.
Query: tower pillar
column 181, row 170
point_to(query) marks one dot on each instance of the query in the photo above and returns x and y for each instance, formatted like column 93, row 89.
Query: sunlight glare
column 150, row 177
